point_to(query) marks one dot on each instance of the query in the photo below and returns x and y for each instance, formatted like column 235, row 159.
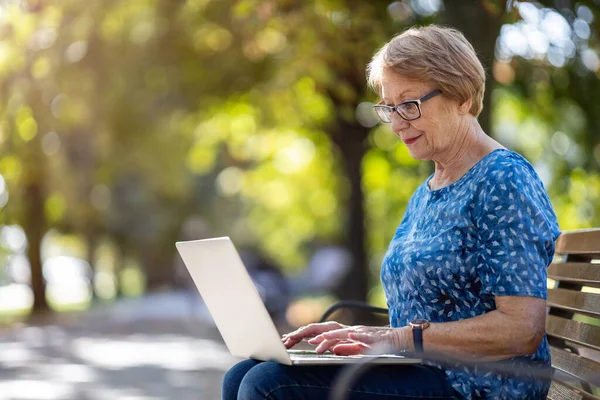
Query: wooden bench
column 573, row 321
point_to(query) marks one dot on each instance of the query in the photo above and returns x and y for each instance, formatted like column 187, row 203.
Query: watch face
column 419, row 323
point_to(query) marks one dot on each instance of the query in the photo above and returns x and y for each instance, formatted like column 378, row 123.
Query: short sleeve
column 516, row 230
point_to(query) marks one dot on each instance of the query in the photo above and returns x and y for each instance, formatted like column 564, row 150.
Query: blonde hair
column 436, row 54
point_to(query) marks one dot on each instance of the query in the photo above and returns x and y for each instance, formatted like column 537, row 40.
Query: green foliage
column 133, row 116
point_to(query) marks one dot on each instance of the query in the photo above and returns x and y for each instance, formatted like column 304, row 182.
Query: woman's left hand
column 359, row 339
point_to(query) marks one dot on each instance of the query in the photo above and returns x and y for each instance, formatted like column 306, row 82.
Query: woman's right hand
column 308, row 332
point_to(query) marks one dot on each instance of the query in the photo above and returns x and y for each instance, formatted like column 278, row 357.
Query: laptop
column 239, row 313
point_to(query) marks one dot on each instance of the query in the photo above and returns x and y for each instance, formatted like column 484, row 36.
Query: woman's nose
column 399, row 123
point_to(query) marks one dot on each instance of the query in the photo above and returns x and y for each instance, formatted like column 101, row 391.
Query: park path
column 160, row 346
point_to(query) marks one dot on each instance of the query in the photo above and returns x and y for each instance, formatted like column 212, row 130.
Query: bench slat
column 575, row 365
column 577, row 332
column 583, row 303
column 582, row 273
column 582, row 242
column 561, row 391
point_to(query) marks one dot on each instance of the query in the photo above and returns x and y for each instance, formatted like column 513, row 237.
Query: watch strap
column 417, row 332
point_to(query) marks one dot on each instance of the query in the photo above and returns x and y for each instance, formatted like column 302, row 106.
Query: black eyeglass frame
column 395, row 108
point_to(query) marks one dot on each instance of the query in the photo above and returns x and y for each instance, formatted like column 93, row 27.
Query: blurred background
column 128, row 125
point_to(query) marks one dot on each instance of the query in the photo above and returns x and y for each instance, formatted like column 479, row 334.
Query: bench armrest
column 352, row 304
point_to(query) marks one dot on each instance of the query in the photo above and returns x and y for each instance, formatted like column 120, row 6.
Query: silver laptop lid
column 232, row 299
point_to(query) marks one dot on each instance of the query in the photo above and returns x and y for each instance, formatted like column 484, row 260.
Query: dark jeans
column 253, row 380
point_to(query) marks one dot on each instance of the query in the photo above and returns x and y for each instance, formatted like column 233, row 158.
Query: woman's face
column 431, row 135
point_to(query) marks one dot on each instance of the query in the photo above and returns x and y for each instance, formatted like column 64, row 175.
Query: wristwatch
column 417, row 326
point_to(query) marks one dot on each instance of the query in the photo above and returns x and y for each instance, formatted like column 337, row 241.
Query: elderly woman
column 465, row 274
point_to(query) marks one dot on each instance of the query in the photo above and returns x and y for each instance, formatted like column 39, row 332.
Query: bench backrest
column 573, row 322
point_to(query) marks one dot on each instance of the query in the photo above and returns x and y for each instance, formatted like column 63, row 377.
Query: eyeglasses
column 408, row 110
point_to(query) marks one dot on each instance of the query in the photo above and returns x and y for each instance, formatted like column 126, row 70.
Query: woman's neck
column 470, row 146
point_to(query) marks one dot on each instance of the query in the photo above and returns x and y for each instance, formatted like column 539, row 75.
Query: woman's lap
column 253, row 380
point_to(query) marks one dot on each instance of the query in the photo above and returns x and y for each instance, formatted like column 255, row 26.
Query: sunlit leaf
column 201, row 160
column 55, row 207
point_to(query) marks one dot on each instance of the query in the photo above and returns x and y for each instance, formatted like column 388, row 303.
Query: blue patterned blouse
column 491, row 233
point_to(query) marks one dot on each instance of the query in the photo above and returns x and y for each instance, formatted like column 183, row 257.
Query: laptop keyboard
column 313, row 354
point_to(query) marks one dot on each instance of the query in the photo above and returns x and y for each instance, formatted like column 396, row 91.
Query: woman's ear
column 465, row 107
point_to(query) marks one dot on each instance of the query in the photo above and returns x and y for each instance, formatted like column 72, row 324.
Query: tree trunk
column 157, row 260
column 462, row 15
column 122, row 250
column 91, row 238
column 156, row 264
column 351, row 140
column 34, row 227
